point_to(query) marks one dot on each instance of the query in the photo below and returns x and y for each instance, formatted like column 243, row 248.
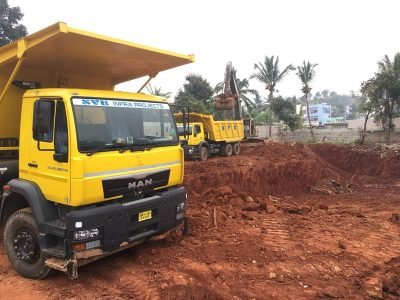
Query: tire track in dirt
column 384, row 246
column 139, row 284
column 277, row 237
column 109, row 279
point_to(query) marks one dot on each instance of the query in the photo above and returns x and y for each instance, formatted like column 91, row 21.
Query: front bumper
column 191, row 151
column 118, row 224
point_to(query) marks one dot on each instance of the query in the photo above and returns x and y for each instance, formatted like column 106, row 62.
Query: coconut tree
column 156, row 91
column 269, row 74
column 306, row 73
column 386, row 87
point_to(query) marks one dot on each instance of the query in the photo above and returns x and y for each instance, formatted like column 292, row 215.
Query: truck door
column 198, row 134
column 49, row 158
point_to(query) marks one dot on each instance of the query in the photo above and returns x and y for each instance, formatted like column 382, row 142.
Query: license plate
column 145, row 215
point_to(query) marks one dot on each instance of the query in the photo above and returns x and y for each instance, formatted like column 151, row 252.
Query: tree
column 269, row 74
column 285, row 111
column 10, row 27
column 156, row 91
column 198, row 87
column 306, row 74
column 367, row 103
column 383, row 89
column 243, row 90
column 260, row 107
column 196, row 94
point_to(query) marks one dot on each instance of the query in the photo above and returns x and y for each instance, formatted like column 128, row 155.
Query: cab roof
column 69, row 50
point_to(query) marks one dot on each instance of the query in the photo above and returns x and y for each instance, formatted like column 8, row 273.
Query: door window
column 43, row 120
column 61, row 131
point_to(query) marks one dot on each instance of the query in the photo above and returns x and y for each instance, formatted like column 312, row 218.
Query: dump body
column 228, row 131
column 100, row 170
column 60, row 56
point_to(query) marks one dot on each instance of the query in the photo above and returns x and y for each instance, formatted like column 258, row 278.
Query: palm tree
column 269, row 74
column 306, row 74
column 386, row 64
column 156, row 91
column 388, row 81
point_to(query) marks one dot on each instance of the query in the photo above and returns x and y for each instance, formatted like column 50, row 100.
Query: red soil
column 259, row 230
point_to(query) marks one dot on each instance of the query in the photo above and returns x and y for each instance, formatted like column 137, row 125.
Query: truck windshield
column 107, row 124
column 181, row 130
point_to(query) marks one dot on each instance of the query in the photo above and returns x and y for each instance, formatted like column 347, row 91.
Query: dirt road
column 276, row 222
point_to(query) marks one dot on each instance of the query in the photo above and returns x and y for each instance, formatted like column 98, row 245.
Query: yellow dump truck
column 206, row 136
column 85, row 171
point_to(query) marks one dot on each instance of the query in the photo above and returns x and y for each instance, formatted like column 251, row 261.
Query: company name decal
column 118, row 103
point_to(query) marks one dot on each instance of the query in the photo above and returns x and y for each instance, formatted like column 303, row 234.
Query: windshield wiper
column 104, row 147
column 137, row 145
column 134, row 147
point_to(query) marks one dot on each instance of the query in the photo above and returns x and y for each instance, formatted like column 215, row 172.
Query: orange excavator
column 230, row 103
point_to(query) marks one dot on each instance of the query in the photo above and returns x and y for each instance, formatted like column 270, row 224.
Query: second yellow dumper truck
column 206, row 136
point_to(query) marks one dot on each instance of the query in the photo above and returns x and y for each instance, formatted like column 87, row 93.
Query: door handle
column 32, row 165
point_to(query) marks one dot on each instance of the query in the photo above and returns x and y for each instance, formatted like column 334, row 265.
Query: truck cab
column 195, row 134
column 85, row 171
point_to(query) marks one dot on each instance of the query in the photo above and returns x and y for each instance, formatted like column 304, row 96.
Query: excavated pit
column 273, row 169
column 358, row 161
column 290, row 170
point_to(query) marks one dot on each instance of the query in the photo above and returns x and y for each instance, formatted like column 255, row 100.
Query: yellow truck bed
column 220, row 131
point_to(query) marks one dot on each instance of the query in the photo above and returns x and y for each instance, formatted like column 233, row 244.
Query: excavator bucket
column 225, row 101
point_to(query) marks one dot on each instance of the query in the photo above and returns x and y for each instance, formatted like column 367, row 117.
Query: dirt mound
column 273, row 169
column 361, row 161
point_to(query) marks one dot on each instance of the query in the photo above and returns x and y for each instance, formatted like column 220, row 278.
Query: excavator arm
column 229, row 100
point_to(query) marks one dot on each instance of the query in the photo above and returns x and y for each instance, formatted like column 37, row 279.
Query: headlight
column 190, row 151
column 86, row 234
column 180, row 211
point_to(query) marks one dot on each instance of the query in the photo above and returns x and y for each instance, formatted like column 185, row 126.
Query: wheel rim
column 236, row 148
column 203, row 153
column 229, row 150
column 26, row 246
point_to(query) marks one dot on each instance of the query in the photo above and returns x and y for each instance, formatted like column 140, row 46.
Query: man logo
column 139, row 183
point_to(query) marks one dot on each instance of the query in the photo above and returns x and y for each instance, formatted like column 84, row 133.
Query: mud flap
column 68, row 266
column 185, row 229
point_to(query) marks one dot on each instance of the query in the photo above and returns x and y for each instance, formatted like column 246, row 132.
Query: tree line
column 380, row 95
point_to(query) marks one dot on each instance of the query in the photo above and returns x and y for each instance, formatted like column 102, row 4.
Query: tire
column 21, row 235
column 236, row 148
column 203, row 153
column 228, row 150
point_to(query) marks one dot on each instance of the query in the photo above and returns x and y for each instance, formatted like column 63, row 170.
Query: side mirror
column 60, row 157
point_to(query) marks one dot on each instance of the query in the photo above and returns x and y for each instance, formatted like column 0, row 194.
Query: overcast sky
column 346, row 38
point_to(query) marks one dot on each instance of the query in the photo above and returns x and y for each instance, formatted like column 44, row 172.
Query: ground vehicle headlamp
column 180, row 210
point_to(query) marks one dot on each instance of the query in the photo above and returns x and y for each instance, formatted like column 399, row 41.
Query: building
column 319, row 114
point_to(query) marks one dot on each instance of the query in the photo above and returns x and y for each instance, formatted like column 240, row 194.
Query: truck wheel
column 236, row 148
column 203, row 153
column 21, row 238
column 228, row 150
